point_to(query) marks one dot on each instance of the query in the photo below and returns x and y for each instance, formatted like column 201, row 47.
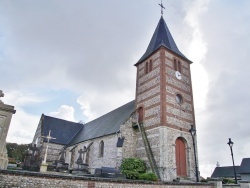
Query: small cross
column 162, row 7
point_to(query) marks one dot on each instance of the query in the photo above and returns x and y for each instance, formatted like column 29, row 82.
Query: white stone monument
column 44, row 165
column 6, row 112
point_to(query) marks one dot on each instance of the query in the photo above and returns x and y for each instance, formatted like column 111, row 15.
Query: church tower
column 164, row 104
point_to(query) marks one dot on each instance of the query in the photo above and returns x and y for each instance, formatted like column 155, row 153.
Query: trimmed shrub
column 132, row 167
column 131, row 174
column 148, row 176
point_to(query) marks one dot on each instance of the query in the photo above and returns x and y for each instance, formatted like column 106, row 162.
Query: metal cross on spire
column 162, row 7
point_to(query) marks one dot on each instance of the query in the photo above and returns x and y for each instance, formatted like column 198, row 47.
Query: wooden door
column 180, row 155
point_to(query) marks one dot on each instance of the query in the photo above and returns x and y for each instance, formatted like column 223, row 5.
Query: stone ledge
column 7, row 108
column 96, row 179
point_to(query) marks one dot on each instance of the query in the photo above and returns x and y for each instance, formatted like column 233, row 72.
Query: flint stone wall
column 35, row 180
column 93, row 159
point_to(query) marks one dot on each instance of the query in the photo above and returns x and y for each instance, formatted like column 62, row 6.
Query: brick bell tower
column 164, row 103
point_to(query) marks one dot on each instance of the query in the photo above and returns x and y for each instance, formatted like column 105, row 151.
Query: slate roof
column 225, row 172
column 105, row 125
column 161, row 37
column 245, row 166
column 61, row 129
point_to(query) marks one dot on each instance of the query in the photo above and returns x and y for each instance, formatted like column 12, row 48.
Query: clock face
column 178, row 75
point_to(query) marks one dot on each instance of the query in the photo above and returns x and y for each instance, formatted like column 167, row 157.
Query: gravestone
column 60, row 164
column 108, row 172
column 32, row 159
column 82, row 167
column 6, row 112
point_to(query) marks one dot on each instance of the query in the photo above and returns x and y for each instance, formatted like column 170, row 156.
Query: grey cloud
column 227, row 109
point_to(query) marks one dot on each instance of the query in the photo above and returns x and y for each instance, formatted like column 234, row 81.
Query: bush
column 132, row 167
column 131, row 174
column 203, row 180
column 227, row 181
column 148, row 176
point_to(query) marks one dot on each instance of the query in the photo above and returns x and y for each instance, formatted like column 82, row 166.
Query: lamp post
column 193, row 133
column 230, row 143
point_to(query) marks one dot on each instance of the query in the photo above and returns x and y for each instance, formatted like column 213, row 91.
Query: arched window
column 146, row 68
column 150, row 65
column 179, row 99
column 140, row 115
column 101, row 149
column 175, row 65
column 179, row 66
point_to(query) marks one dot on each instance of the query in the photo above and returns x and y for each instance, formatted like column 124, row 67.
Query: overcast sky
column 74, row 60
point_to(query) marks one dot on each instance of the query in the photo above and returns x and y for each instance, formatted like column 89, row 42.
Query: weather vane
column 162, row 7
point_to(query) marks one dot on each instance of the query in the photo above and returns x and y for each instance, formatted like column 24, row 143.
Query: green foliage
column 133, row 164
column 203, row 180
column 131, row 174
column 148, row 176
column 132, row 167
column 227, row 181
column 16, row 151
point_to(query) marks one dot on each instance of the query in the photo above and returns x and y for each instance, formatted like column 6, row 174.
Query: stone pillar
column 245, row 184
column 217, row 183
column 6, row 112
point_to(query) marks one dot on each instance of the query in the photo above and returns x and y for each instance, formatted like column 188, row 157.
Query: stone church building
column 154, row 127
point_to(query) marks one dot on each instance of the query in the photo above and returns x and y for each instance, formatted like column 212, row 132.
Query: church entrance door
column 180, row 155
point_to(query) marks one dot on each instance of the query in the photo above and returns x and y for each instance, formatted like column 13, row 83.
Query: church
column 154, row 127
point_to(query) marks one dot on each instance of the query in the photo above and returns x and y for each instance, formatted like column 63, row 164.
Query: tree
column 16, row 151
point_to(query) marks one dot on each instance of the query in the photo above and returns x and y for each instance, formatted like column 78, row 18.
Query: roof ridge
column 109, row 112
column 61, row 119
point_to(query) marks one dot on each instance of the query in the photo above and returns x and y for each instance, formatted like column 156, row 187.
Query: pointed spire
column 161, row 37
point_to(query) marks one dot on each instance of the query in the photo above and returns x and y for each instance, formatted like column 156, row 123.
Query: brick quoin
column 91, row 184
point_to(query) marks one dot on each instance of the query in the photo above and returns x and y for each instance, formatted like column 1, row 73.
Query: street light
column 193, row 133
column 230, row 143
